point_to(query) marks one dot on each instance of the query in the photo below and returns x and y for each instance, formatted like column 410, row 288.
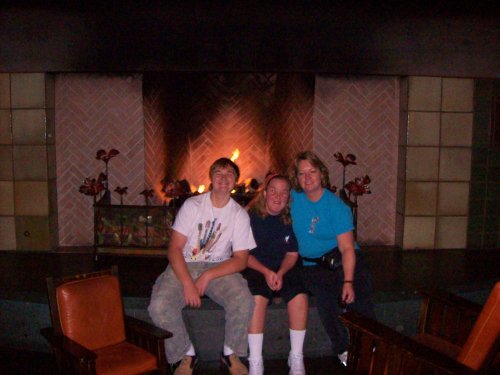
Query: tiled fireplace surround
column 415, row 136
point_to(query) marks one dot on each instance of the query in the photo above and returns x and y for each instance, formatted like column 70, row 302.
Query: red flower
column 147, row 193
column 100, row 154
column 121, row 190
column 359, row 186
column 112, row 153
column 105, row 156
column 349, row 159
column 91, row 186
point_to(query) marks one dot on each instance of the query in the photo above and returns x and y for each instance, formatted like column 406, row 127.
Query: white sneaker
column 256, row 366
column 296, row 364
column 343, row 358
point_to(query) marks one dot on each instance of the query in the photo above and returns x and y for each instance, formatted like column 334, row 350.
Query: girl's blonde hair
column 258, row 204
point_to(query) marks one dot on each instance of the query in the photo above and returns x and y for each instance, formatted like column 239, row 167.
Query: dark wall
column 484, row 199
column 367, row 38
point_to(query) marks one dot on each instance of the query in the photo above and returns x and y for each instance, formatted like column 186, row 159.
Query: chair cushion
column 124, row 359
column 484, row 333
column 439, row 344
column 91, row 311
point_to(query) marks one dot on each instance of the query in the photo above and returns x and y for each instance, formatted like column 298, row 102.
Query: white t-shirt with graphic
column 213, row 233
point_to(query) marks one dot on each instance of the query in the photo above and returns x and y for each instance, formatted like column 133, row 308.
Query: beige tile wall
column 453, row 198
column 6, row 163
column 4, row 90
column 6, row 198
column 28, row 126
column 27, row 162
column 456, row 129
column 27, row 90
column 423, row 129
column 404, row 124
column 451, row 232
column 438, row 139
column 419, row 231
column 421, row 198
column 7, row 232
column 5, row 127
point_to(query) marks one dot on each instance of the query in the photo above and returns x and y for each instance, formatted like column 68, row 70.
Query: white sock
column 191, row 351
column 255, row 341
column 227, row 350
column 297, row 341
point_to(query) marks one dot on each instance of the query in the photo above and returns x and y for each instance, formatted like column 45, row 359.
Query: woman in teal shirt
column 322, row 222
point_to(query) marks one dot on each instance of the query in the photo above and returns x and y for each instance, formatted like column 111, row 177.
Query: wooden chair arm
column 67, row 345
column 72, row 358
column 451, row 300
column 149, row 338
column 140, row 327
column 447, row 316
column 375, row 348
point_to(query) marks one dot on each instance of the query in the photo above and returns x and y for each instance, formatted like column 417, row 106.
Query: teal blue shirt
column 317, row 224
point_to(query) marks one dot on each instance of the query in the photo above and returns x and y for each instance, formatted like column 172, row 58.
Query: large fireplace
column 171, row 126
column 193, row 119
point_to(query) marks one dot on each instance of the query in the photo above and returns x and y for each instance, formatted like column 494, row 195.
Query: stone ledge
column 21, row 321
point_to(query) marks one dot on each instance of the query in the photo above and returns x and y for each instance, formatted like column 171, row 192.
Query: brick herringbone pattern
column 237, row 119
column 232, row 111
column 94, row 112
column 360, row 116
column 155, row 161
column 292, row 131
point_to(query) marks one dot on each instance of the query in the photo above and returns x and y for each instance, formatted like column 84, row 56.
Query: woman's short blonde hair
column 312, row 158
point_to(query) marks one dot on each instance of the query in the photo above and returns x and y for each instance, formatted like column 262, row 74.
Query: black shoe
column 185, row 366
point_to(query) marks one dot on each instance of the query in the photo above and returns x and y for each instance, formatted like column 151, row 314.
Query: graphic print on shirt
column 205, row 243
column 312, row 226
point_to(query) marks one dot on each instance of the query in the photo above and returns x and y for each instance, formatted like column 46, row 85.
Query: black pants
column 326, row 286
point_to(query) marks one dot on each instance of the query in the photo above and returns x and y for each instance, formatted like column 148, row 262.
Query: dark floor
column 396, row 275
column 14, row 362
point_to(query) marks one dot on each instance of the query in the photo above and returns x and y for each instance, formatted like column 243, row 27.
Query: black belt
column 332, row 260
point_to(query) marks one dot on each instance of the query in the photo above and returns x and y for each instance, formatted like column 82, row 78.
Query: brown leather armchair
column 455, row 336
column 90, row 333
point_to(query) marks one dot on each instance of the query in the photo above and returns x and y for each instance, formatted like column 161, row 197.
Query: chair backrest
column 484, row 335
column 88, row 309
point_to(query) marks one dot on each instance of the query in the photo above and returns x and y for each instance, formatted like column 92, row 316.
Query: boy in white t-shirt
column 209, row 246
